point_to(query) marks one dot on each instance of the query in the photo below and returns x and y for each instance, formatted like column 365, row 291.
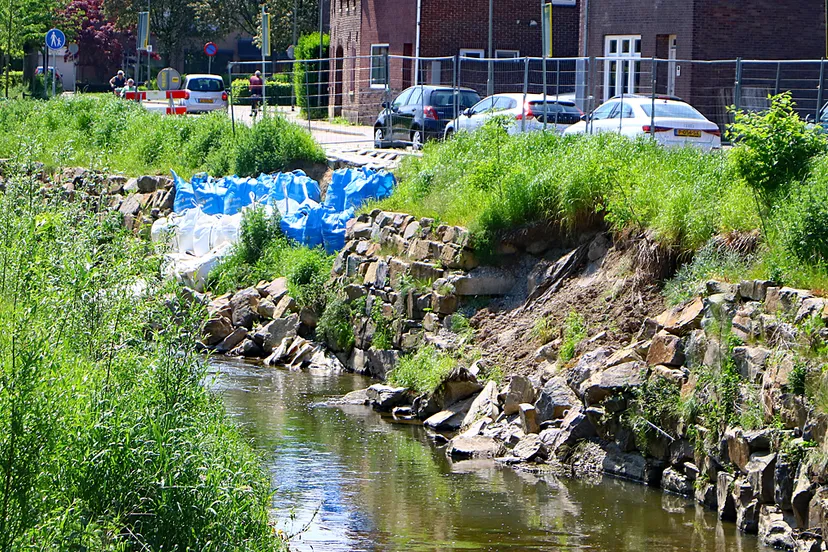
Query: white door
column 671, row 67
column 622, row 65
column 600, row 120
column 479, row 113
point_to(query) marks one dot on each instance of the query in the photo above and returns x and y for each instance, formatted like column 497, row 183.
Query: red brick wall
column 449, row 26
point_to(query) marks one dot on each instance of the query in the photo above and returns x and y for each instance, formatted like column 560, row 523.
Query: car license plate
column 210, row 100
column 687, row 133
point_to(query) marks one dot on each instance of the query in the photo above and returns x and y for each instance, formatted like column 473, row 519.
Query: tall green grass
column 489, row 182
column 103, row 132
column 108, row 438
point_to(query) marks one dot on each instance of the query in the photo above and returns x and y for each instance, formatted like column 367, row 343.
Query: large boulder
column 245, row 305
column 530, row 448
column 818, row 510
column 774, row 530
column 760, row 471
column 666, row 349
column 590, row 363
column 801, row 497
column 385, row 397
column 682, row 319
column 751, row 362
column 555, row 400
column 483, row 281
column 742, row 444
column 231, row 341
column 747, row 506
column 474, row 446
column 784, row 477
column 674, row 481
column 485, row 405
column 450, row 419
column 632, row 466
column 381, row 361
column 216, row 329
column 459, row 384
column 612, row 381
column 529, row 418
column 276, row 331
column 724, row 496
column 517, row 391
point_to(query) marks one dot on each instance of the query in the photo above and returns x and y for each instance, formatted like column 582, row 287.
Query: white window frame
column 507, row 54
column 376, row 84
column 464, row 52
column 625, row 65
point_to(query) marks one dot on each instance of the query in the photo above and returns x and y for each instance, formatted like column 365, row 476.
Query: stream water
column 357, row 482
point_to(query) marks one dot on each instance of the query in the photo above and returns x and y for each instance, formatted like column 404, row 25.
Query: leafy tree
column 23, row 25
column 101, row 43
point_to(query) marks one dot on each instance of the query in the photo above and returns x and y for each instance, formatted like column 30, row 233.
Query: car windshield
column 445, row 98
column 205, row 85
column 553, row 107
column 673, row 109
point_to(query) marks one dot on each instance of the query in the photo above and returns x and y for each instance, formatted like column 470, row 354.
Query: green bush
column 336, row 325
column 422, row 371
column 104, row 132
column 277, row 90
column 574, row 331
column 310, row 78
column 803, row 217
column 773, row 147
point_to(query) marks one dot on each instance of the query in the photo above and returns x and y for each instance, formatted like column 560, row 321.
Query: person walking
column 256, row 88
column 117, row 82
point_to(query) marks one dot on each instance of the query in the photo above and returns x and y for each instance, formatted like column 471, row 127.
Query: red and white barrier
column 161, row 95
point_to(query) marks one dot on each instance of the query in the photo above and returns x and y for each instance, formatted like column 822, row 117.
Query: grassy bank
column 774, row 183
column 102, row 132
column 108, row 438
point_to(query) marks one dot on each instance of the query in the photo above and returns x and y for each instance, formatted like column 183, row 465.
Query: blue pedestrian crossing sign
column 55, row 39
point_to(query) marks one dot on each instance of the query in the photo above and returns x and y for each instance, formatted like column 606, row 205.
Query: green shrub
column 655, row 405
column 383, row 338
column 708, row 263
column 307, row 273
column 773, row 147
column 574, row 331
column 797, row 378
column 336, row 325
column 422, row 371
column 256, row 233
column 273, row 145
column 278, row 90
column 310, row 78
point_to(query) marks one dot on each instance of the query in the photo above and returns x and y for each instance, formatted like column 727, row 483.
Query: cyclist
column 117, row 82
column 256, row 85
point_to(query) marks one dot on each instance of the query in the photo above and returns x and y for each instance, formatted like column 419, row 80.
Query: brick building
column 685, row 30
column 363, row 31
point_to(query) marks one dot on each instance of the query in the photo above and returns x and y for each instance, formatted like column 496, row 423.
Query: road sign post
column 265, row 52
column 55, row 40
column 210, row 50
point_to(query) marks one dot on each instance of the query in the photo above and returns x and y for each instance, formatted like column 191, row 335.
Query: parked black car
column 420, row 113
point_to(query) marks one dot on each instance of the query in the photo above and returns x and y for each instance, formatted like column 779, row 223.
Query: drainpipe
column 417, row 46
column 586, row 27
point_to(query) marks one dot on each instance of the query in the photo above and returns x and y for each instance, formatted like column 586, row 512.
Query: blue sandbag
column 304, row 225
column 335, row 195
column 333, row 228
column 184, row 195
column 368, row 184
column 209, row 194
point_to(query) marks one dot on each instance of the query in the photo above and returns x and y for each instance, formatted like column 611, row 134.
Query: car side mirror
column 808, row 118
column 385, row 105
column 467, row 112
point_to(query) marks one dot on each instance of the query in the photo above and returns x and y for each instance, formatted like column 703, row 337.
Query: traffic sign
column 291, row 52
column 55, row 39
column 168, row 79
column 73, row 49
column 210, row 49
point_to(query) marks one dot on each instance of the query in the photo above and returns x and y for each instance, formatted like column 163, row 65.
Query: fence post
column 737, row 89
column 545, row 106
column 387, row 94
column 455, row 85
column 819, row 88
column 232, row 108
column 307, row 94
column 525, row 91
column 654, row 83
column 591, row 87
column 778, row 75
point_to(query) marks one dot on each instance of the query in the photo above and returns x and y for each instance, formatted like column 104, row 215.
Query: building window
column 507, row 54
column 622, row 65
column 379, row 70
column 472, row 53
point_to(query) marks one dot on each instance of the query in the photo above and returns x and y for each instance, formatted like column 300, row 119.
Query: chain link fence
column 340, row 99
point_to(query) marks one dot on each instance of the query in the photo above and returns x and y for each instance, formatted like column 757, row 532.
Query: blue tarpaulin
column 295, row 195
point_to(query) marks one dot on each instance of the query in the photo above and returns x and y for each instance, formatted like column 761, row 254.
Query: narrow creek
column 357, row 482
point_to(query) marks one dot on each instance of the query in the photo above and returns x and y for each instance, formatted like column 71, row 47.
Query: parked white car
column 527, row 116
column 206, row 93
column 674, row 122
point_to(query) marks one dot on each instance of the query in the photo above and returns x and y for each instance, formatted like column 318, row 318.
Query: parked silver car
column 526, row 114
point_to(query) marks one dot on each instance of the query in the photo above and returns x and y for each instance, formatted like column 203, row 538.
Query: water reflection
column 355, row 482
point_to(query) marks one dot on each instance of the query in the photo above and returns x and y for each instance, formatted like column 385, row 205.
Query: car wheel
column 416, row 140
column 449, row 134
column 379, row 138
